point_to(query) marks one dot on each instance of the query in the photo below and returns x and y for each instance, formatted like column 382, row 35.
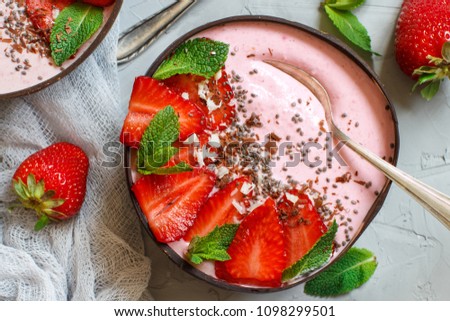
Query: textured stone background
column 413, row 249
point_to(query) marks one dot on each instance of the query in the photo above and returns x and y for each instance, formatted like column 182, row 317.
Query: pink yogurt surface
column 42, row 68
column 359, row 108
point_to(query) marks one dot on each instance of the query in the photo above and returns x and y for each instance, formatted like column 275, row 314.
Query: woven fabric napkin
column 98, row 255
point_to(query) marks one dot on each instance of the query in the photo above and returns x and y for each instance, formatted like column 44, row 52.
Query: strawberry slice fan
column 269, row 239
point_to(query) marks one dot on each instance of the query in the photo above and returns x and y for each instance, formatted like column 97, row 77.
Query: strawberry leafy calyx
column 32, row 195
column 432, row 76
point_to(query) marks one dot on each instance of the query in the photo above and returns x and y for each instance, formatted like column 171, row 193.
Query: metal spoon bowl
column 431, row 199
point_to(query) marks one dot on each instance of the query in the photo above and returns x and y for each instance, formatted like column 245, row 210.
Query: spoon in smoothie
column 431, row 199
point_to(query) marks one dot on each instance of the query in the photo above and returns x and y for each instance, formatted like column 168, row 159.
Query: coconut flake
column 212, row 105
column 222, row 171
column 193, row 139
column 238, row 207
column 218, row 75
column 198, row 154
column 247, row 188
column 292, row 198
column 185, row 96
column 203, row 89
column 256, row 204
column 214, row 140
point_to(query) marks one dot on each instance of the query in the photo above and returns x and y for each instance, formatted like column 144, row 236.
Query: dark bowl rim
column 79, row 60
column 373, row 211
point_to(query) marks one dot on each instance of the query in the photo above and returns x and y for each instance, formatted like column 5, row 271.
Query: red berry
column 257, row 251
column 423, row 27
column 220, row 209
column 302, row 225
column 40, row 13
column 214, row 92
column 149, row 96
column 171, row 202
column 53, row 182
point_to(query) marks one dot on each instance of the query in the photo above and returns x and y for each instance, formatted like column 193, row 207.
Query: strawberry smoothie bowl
column 41, row 41
column 231, row 167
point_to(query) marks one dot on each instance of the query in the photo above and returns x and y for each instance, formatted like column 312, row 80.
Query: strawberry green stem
column 432, row 76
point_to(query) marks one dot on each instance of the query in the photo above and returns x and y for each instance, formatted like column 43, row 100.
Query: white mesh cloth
column 98, row 255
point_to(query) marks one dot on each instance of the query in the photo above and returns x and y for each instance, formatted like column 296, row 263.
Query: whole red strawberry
column 422, row 42
column 52, row 182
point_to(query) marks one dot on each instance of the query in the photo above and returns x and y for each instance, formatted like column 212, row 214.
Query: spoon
column 139, row 37
column 431, row 199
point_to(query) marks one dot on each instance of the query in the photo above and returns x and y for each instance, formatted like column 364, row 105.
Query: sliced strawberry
column 207, row 94
column 171, row 202
column 133, row 128
column 302, row 225
column 185, row 154
column 40, row 13
column 187, row 86
column 148, row 97
column 258, row 251
column 61, row 4
column 219, row 209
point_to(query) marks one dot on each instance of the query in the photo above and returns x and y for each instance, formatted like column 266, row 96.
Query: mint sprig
column 156, row 149
column 318, row 255
column 212, row 246
column 74, row 25
column 199, row 56
column 344, row 4
column 348, row 273
column 347, row 23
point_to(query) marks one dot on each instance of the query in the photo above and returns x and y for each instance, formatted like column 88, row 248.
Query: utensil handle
column 434, row 201
column 136, row 39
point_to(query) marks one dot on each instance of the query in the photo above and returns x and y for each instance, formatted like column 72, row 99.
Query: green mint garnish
column 348, row 273
column 74, row 25
column 347, row 23
column 156, row 149
column 212, row 246
column 344, row 4
column 200, row 56
column 318, row 255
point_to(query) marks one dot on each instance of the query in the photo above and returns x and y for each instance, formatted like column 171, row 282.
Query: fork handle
column 435, row 202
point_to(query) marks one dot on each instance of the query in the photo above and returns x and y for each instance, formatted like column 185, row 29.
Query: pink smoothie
column 346, row 190
column 27, row 62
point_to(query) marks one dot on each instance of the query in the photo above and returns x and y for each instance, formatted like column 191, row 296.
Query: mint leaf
column 430, row 90
column 318, row 255
column 178, row 168
column 350, row 27
column 164, row 128
column 156, row 148
column 348, row 273
column 74, row 25
column 344, row 4
column 212, row 246
column 200, row 56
